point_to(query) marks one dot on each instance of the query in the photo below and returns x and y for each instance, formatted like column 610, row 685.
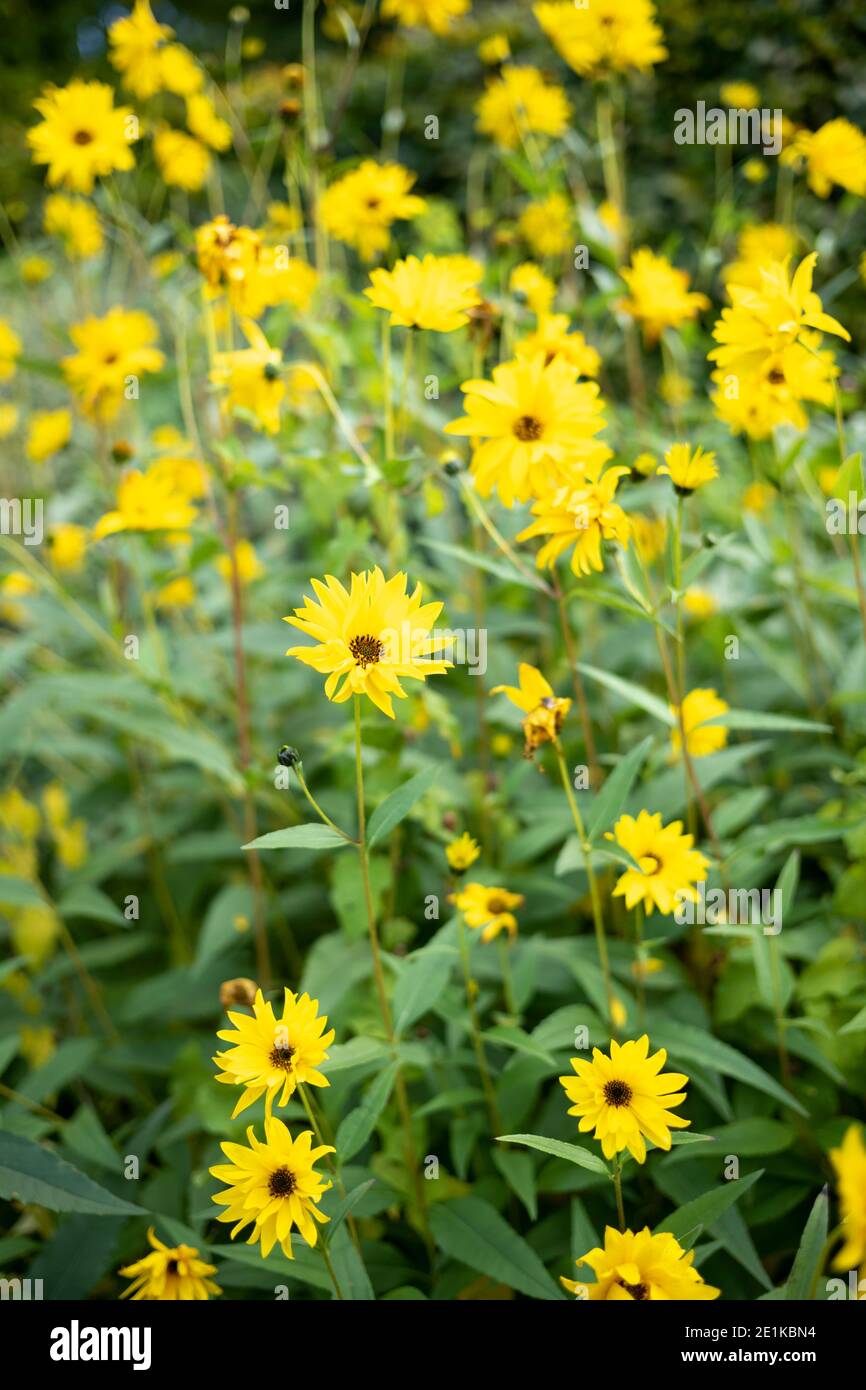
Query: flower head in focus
column 545, row 712
column 667, row 864
column 626, row 1098
column 169, row 1273
column 633, row 1267
column 271, row 1056
column 274, row 1185
column 579, row 516
column 701, row 738
column 688, row 468
column 490, row 909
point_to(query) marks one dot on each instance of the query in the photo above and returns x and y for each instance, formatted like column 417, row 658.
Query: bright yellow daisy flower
column 603, row 36
column 436, row 292
column 462, row 853
column 545, row 712
column 636, row 1266
column 112, row 350
column 687, row 468
column 274, row 1185
column 626, row 1098
column 360, row 207
column 659, row 294
column 491, row 909
column 701, row 738
column 581, row 516
column 520, row 103
column 849, row 1163
column 170, row 1273
column 273, row 1055
column 82, row 135
column 435, row 15
column 668, row 865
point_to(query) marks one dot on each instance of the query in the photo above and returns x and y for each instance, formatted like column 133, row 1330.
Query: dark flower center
column 373, row 203
column 638, row 1291
column 651, row 865
column 83, row 137
column 366, row 650
column 171, row 1267
column 496, row 904
column 617, row 1093
column 281, row 1056
column 527, row 428
column 776, row 376
column 282, row 1183
column 272, row 371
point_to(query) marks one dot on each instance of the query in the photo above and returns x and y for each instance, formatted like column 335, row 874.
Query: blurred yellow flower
column 9, row 415
column 495, row 49
column 34, row 932
column 699, row 603
column 146, row 502
column 739, row 94
column 49, row 431
column 756, row 245
column 435, row 293
column 603, row 36
column 581, row 516
column 183, row 161
column 435, row 15
column 177, row 593
column 462, row 853
column 834, row 154
column 19, row 815
column 547, row 225
column 552, row 338
column 537, row 288
column 113, row 352
column 520, row 103
column 668, row 865
column 849, row 1164
column 757, row 497
column 252, row 379
column 688, row 468
column 659, row 294
column 135, row 49
column 755, row 170
column 360, row 207
column 249, row 566
column 649, row 535
column 35, row 269
column 82, row 135
column 491, row 909
column 203, row 121
column 77, row 224
column 180, row 72
column 701, row 738
column 68, row 545
column 36, row 1044
column 10, row 350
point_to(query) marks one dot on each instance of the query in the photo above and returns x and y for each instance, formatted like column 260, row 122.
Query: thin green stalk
column 507, row 980
column 475, row 1030
column 330, row 1268
column 617, row 1183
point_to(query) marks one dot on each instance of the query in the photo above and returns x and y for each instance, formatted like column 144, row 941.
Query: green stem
column 617, row 1183
column 475, row 1029
column 330, row 1268
column 507, row 981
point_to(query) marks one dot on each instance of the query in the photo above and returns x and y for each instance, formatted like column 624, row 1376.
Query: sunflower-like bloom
column 227, row 255
column 205, row 124
column 537, row 424
column 545, row 712
column 521, row 103
column 701, row 738
column 275, row 279
column 436, row 292
column 531, row 283
column 834, row 154
column 667, row 864
column 740, row 95
column 68, row 544
column 634, row 1266
column 462, row 853
column 252, row 379
column 170, row 1273
column 604, row 36
column 547, row 225
column 435, row 15
column 370, row 637
column 552, row 338
column 491, row 909
column 687, row 468
column 360, row 207
column 766, row 323
column 183, row 161
column 135, row 44
column 659, row 294
column 273, row 1055
column 147, row 501
column 581, row 515
column 111, row 349
column 274, row 1185
column 82, row 135
column 49, row 432
column 756, row 245
column 626, row 1098
column 76, row 222
column 849, row 1163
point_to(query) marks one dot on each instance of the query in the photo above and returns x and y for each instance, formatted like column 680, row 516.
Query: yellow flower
column 146, row 502
column 49, row 432
column 248, row 564
column 273, row 1055
column 14, row 585
column 544, row 711
column 360, row 207
column 521, row 103
column 489, row 908
column 768, row 241
column 180, row 72
column 755, row 170
column 742, row 95
column 547, row 225
column 34, row 933
column 552, row 338
column 699, row 603
column 76, row 223
column 757, row 497
column 494, row 50
column 582, row 516
column 434, row 293
column 166, row 263
column 274, row 1185
column 181, row 473
column 849, row 1162
column 462, row 853
column 55, row 804
column 9, row 414
column 170, row 1274
column 668, row 866
column 369, row 637
column 768, row 321
column 626, row 1098
column 276, row 278
column 227, row 255
column 82, row 135
column 111, row 350
column 205, row 124
column 649, row 535
column 71, row 844
column 36, row 1044
column 660, row 297
column 435, row 15
column 834, row 154
column 603, row 36
column 537, row 289
column 68, row 545
column 635, row 1266
column 536, row 424
column 687, row 468
column 35, row 270
column 699, row 706
column 177, row 593
column 183, row 161
column 10, row 350
column 19, row 815
column 135, row 48
column 252, row 379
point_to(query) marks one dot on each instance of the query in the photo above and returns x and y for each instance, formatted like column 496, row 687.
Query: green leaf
column 19, row 892
column 349, row 1202
column 630, row 692
column 613, row 795
column 359, row 1124
column 397, row 806
column 31, row 1173
column 806, row 1261
column 761, row 721
column 518, row 1171
column 508, row 1036
column 557, row 1148
column 706, row 1209
column 313, row 835
column 422, row 979
column 688, row 1044
column 83, row 900
column 471, row 1231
